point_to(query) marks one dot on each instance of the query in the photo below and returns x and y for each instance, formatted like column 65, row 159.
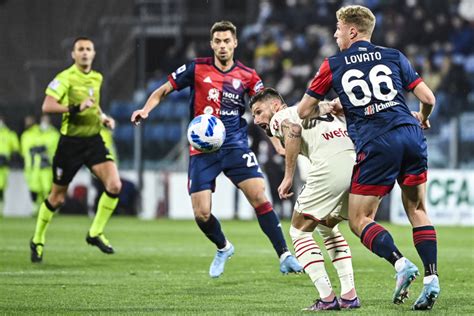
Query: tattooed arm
column 292, row 140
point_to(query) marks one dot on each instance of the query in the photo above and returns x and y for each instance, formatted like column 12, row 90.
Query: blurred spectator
column 38, row 145
column 9, row 145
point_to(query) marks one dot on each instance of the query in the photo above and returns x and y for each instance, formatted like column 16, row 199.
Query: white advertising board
column 449, row 199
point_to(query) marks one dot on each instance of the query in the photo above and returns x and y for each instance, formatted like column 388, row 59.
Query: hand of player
column 87, row 103
column 108, row 122
column 284, row 188
column 326, row 107
column 424, row 122
column 337, row 107
column 138, row 116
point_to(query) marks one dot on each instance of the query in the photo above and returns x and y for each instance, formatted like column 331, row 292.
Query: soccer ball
column 206, row 133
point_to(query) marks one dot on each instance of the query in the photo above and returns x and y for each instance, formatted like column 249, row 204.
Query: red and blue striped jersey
column 369, row 81
column 219, row 93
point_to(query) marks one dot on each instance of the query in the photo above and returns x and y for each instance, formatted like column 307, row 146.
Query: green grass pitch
column 161, row 267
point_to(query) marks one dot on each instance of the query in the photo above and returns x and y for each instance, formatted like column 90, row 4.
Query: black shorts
column 73, row 152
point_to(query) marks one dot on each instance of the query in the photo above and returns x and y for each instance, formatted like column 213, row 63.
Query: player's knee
column 258, row 198
column 56, row 200
column 114, row 187
column 202, row 217
column 297, row 234
column 354, row 225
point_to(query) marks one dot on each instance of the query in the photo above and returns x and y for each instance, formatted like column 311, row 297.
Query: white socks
column 429, row 278
column 399, row 264
column 340, row 254
column 311, row 258
column 284, row 255
column 227, row 246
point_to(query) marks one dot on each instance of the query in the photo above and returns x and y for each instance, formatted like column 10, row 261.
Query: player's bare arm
column 51, row 105
column 292, row 140
column 153, row 101
column 310, row 107
column 427, row 103
column 277, row 145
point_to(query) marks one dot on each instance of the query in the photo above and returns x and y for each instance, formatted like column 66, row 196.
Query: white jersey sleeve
column 277, row 119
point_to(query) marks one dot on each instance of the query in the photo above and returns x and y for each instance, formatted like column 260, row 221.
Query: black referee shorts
column 73, row 152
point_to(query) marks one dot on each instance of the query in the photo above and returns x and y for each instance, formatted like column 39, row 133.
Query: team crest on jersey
column 54, row 84
column 276, row 125
column 213, row 95
column 236, row 83
column 91, row 92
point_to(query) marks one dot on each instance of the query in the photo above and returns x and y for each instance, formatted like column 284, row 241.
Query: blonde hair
column 361, row 17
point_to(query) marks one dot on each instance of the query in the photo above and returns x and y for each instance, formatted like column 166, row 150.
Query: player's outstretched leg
column 341, row 257
column 379, row 241
column 424, row 238
column 311, row 257
column 45, row 214
column 95, row 237
column 270, row 225
column 212, row 229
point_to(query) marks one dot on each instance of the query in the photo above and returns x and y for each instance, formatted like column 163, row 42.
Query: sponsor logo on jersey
column 377, row 107
column 213, row 95
column 336, row 133
column 230, row 95
column 228, row 112
column 207, row 79
column 236, row 83
column 91, row 92
column 54, row 84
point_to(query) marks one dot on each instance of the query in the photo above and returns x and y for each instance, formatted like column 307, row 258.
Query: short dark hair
column 264, row 95
column 223, row 26
column 81, row 38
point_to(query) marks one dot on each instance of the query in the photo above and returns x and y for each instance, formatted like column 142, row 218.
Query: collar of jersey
column 224, row 72
column 360, row 44
column 84, row 73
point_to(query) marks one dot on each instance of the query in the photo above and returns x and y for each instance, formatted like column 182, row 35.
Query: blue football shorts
column 397, row 155
column 238, row 164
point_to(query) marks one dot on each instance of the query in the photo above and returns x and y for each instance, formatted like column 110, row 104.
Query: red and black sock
column 380, row 242
column 270, row 225
column 424, row 238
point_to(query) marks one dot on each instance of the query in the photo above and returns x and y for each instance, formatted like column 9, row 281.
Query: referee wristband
column 74, row 109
